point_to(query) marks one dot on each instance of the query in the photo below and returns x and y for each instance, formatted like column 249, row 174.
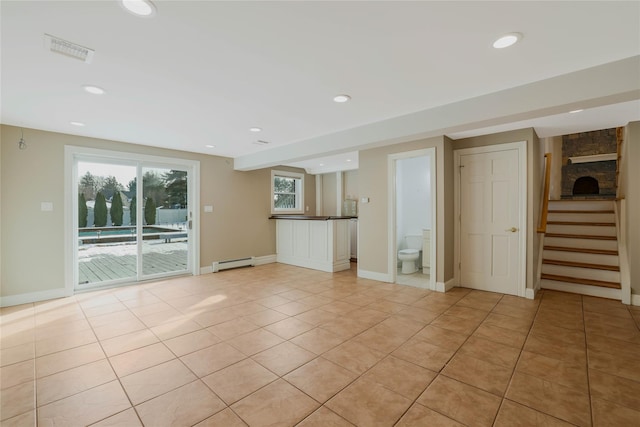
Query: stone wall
column 588, row 144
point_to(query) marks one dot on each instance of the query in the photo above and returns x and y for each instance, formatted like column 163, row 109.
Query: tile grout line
column 110, row 364
column 586, row 354
column 515, row 366
column 415, row 401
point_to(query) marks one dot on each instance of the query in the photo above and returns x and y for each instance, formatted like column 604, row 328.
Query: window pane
column 284, row 201
column 284, row 185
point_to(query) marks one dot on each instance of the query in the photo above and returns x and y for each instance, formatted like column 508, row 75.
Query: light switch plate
column 208, row 208
column 46, row 206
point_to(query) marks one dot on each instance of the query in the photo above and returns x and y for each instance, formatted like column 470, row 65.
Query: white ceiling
column 202, row 73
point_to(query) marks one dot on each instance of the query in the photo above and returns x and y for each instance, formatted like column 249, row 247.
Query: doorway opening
column 412, row 218
column 121, row 232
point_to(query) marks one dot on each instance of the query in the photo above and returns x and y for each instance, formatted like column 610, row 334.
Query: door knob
column 512, row 229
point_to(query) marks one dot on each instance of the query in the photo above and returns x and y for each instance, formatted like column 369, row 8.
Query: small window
column 287, row 194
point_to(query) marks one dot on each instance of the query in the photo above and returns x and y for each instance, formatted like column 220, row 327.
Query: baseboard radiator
column 233, row 263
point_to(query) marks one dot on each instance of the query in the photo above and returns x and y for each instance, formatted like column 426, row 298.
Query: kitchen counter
column 317, row 242
column 310, row 217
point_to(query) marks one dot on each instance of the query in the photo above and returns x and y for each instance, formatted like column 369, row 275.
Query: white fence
column 174, row 217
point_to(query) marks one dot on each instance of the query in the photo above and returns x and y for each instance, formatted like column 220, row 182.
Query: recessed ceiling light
column 77, row 123
column 321, row 164
column 255, row 129
column 210, row 146
column 341, row 98
column 139, row 7
column 348, row 160
column 95, row 90
column 575, row 111
column 507, row 40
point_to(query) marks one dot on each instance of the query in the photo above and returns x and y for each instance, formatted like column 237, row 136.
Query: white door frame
column 521, row 147
column 392, row 256
column 71, row 153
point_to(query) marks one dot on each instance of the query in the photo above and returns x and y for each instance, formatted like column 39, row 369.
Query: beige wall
column 32, row 241
column 330, row 189
column 373, row 216
column 329, row 193
column 631, row 191
column 535, row 153
column 350, row 181
column 553, row 145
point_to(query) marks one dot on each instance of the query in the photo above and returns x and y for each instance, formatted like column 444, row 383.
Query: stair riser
column 588, row 230
column 581, row 243
column 581, row 273
column 581, row 257
column 581, row 217
column 595, row 291
column 581, row 205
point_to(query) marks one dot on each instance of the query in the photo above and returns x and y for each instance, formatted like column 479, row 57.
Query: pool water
column 122, row 231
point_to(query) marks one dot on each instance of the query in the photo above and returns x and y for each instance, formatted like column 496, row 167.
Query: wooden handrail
column 619, row 141
column 545, row 200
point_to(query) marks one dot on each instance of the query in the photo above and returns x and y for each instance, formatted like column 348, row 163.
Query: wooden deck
column 98, row 263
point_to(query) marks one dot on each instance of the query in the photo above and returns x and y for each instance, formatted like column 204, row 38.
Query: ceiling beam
column 598, row 86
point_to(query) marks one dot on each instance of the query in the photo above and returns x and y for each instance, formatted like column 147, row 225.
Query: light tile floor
column 417, row 279
column 278, row 345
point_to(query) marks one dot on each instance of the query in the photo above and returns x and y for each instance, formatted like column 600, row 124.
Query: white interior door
column 489, row 221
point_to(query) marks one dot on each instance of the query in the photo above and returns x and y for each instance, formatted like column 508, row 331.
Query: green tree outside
column 88, row 186
column 116, row 209
column 100, row 211
column 176, row 188
column 132, row 210
column 153, row 186
column 82, row 211
column 150, row 211
column 110, row 186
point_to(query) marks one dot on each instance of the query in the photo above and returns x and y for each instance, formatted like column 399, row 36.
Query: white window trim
column 299, row 200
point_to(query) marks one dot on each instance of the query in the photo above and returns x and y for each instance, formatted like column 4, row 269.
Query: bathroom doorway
column 412, row 218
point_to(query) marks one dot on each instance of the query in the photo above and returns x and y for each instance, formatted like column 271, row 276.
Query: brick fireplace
column 589, row 165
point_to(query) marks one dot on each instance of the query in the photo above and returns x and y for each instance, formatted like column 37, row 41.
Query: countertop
column 310, row 217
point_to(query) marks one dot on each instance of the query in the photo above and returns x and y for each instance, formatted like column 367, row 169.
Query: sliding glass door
column 106, row 226
column 165, row 235
column 125, row 232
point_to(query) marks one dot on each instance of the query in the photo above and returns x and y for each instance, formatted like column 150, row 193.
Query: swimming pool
column 93, row 235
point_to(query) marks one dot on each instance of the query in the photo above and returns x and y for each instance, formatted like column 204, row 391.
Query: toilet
column 410, row 255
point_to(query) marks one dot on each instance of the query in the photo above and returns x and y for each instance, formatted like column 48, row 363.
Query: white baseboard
column 530, row 293
column 373, row 275
column 594, row 291
column 206, row 270
column 446, row 286
column 33, row 297
column 267, row 259
column 635, row 299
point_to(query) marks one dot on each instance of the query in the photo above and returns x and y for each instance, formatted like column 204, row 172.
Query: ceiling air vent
column 63, row 47
column 261, row 142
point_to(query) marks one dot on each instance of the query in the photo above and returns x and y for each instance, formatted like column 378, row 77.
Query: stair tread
column 579, row 281
column 579, row 212
column 581, row 264
column 597, row 224
column 582, row 250
column 581, row 236
column 584, row 199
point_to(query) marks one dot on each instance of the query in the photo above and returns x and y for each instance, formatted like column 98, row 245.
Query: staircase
column 580, row 251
